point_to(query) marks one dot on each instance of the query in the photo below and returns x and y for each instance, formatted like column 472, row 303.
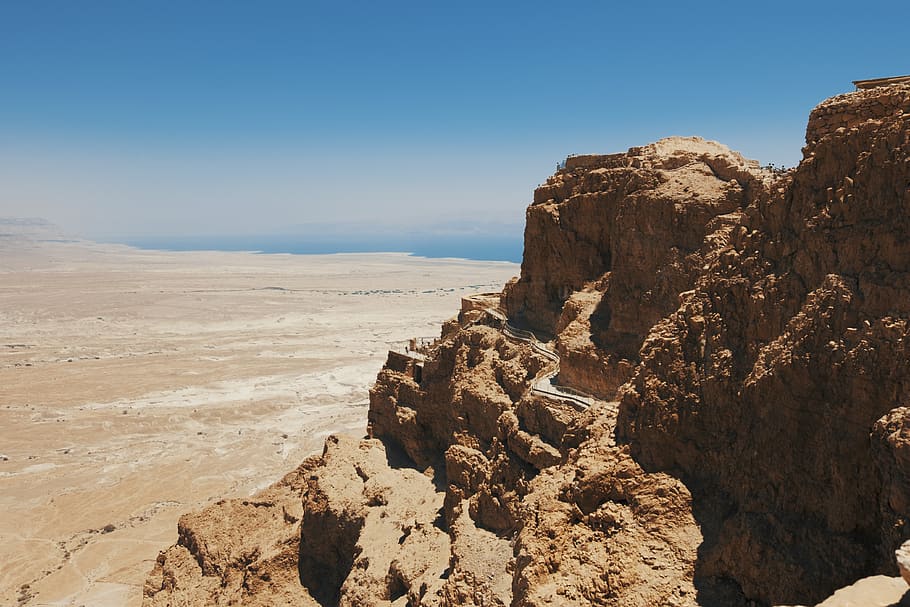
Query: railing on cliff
column 542, row 383
column 576, row 398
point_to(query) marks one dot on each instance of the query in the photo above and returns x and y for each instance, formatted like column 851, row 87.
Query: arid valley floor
column 136, row 386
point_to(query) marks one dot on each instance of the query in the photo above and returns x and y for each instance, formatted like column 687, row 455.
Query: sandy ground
column 136, row 386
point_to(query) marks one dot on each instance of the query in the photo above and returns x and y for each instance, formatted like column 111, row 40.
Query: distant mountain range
column 31, row 228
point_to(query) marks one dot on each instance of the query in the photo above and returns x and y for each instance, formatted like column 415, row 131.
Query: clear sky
column 171, row 118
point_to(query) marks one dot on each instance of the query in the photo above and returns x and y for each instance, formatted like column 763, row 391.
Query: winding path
column 544, row 383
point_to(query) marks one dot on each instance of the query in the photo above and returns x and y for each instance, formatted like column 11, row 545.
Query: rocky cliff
column 696, row 393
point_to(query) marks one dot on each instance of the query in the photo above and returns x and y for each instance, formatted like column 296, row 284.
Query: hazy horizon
column 465, row 240
column 149, row 119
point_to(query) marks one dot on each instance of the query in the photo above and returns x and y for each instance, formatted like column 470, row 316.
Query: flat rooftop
column 877, row 82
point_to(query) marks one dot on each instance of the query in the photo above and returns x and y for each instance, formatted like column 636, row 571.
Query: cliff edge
column 696, row 393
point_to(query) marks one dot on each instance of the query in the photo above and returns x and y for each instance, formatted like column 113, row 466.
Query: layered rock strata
column 742, row 338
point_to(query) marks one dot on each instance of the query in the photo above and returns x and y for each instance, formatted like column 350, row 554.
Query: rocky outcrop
column 742, row 336
column 367, row 534
column 472, row 378
column 236, row 551
column 902, row 556
column 612, row 240
column 762, row 389
column 873, row 591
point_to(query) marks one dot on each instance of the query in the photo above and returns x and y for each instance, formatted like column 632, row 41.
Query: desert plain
column 136, row 386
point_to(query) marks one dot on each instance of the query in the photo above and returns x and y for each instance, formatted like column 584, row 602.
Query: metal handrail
column 578, row 398
column 582, row 405
column 536, row 345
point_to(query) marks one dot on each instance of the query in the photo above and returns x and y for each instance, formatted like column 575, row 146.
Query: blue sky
column 172, row 118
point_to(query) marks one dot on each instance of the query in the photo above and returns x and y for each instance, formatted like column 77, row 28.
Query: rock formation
column 740, row 338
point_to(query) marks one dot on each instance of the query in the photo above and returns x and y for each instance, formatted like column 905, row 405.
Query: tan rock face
column 902, row 555
column 367, row 534
column 472, row 378
column 630, row 231
column 753, row 328
column 762, row 389
column 242, row 550
column 873, row 591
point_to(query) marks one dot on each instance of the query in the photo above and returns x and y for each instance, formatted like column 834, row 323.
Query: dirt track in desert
column 139, row 385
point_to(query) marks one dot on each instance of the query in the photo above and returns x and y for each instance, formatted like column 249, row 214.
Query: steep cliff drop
column 695, row 394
